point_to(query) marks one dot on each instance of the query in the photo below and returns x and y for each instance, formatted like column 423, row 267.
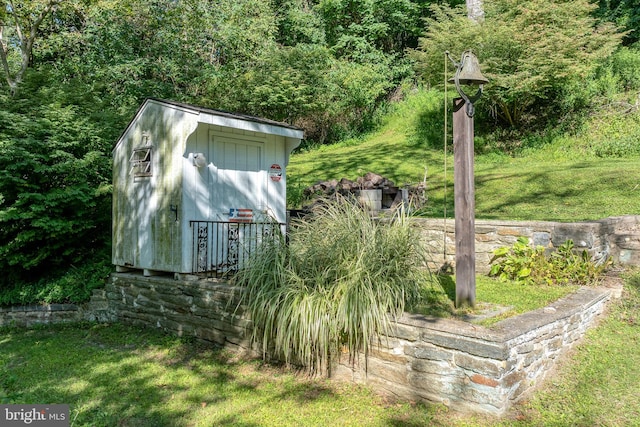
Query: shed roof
column 225, row 118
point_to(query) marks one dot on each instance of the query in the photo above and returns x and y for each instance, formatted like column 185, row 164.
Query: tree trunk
column 26, row 32
column 475, row 11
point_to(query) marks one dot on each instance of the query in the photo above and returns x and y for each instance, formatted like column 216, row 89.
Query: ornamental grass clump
column 336, row 286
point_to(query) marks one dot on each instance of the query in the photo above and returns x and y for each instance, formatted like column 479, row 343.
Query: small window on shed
column 141, row 159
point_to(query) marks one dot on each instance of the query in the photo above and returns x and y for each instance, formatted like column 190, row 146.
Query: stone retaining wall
column 29, row 315
column 204, row 309
column 615, row 237
column 464, row 366
column 99, row 309
column 472, row 368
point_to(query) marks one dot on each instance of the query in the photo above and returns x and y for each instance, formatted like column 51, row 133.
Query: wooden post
column 464, row 200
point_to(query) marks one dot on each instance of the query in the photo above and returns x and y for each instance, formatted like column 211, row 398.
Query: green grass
column 505, row 299
column 126, row 376
column 560, row 181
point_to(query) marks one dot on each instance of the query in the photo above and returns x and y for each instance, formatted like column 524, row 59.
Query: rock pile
column 371, row 189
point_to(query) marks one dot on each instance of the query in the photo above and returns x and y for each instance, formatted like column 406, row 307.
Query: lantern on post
column 467, row 74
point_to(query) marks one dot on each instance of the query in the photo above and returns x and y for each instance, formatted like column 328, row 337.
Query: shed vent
column 141, row 159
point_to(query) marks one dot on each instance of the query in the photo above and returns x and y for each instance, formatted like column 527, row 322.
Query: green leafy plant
column 74, row 285
column 570, row 265
column 564, row 44
column 517, row 262
column 527, row 264
column 56, row 192
column 335, row 287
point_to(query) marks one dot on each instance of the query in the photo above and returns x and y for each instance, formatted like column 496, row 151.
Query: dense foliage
column 528, row 264
column 55, row 198
column 532, row 52
column 339, row 283
column 73, row 72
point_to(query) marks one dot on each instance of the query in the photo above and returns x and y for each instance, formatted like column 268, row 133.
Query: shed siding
column 237, row 174
column 145, row 232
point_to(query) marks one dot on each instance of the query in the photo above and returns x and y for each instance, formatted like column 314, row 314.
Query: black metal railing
column 222, row 247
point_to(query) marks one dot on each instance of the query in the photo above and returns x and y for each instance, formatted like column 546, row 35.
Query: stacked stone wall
column 617, row 238
column 464, row 366
column 472, row 368
column 29, row 315
column 205, row 309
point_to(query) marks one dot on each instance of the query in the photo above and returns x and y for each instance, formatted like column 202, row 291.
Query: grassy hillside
column 563, row 179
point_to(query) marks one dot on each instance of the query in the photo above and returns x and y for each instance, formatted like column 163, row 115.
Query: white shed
column 194, row 188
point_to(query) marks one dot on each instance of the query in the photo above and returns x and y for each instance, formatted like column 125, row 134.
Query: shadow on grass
column 122, row 376
column 438, row 298
column 448, row 284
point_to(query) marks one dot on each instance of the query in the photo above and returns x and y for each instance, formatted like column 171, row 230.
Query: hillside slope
column 559, row 182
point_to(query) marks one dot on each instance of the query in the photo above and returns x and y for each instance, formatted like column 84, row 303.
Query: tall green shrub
column 55, row 192
column 529, row 51
column 339, row 283
column 626, row 65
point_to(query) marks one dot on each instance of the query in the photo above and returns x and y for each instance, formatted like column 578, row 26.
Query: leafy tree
column 54, row 190
column 365, row 30
column 128, row 51
column 299, row 23
column 626, row 14
column 625, row 64
column 287, row 85
column 306, row 85
column 530, row 51
column 19, row 26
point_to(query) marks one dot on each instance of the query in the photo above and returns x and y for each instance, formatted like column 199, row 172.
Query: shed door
column 238, row 175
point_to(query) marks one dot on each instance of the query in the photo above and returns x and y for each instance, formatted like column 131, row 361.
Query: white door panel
column 238, row 174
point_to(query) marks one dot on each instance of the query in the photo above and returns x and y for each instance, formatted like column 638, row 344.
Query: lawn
column 556, row 182
column 115, row 375
column 495, row 300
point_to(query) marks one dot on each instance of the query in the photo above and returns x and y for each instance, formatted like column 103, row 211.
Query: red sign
column 275, row 172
